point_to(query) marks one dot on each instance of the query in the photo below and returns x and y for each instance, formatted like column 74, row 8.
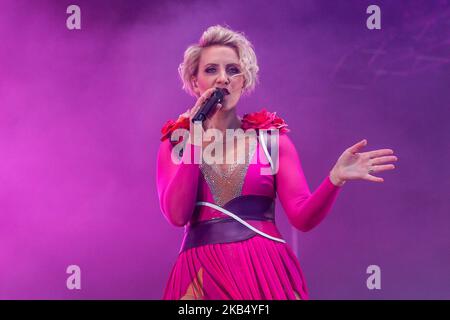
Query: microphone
column 209, row 104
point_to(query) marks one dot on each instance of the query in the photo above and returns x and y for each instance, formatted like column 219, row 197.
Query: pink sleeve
column 177, row 184
column 304, row 210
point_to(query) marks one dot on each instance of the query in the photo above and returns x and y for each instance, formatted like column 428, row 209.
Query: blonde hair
column 220, row 35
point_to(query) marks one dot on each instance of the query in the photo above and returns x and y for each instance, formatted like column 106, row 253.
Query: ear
column 194, row 84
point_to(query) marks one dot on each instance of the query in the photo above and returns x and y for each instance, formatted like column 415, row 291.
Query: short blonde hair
column 220, row 35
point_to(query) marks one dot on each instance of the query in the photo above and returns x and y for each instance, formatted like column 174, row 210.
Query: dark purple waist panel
column 226, row 230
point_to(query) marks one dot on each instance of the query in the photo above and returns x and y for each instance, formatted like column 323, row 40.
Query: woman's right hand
column 192, row 112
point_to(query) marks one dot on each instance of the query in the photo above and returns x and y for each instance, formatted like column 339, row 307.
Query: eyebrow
column 215, row 64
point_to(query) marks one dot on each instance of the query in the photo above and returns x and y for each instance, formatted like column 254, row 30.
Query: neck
column 225, row 119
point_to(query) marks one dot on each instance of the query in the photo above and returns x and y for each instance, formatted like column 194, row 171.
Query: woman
column 232, row 248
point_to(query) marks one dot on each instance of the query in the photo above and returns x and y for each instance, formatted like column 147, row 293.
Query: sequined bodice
column 226, row 180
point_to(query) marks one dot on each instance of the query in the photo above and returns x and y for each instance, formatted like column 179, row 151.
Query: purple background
column 80, row 119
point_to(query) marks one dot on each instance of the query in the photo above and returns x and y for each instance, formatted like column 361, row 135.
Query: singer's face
column 219, row 67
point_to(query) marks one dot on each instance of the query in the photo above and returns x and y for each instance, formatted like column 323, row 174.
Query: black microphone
column 209, row 104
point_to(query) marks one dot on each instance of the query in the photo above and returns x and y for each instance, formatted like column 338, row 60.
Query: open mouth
column 225, row 91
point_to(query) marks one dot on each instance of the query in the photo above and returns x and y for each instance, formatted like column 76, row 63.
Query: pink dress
column 257, row 268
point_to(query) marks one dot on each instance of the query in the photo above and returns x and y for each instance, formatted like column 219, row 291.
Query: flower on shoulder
column 171, row 125
column 264, row 120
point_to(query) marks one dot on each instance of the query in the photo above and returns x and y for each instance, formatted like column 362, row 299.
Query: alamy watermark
column 374, row 20
column 213, row 152
column 73, row 21
column 74, row 280
column 374, row 280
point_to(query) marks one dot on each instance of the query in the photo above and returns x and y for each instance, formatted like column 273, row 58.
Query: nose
column 223, row 78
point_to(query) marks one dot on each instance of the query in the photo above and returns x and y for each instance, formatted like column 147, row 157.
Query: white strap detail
column 262, row 139
column 228, row 213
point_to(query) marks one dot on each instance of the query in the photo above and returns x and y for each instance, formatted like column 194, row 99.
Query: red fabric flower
column 256, row 120
column 264, row 120
column 170, row 126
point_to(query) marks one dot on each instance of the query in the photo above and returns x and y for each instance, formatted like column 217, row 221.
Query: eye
column 234, row 70
column 209, row 70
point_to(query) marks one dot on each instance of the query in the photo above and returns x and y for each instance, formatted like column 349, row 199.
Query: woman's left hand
column 354, row 165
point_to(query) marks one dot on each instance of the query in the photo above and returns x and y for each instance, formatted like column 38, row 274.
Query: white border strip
column 228, row 213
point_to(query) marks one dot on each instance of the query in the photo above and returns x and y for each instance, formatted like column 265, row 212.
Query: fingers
column 385, row 159
column 358, row 146
column 205, row 96
column 382, row 168
column 200, row 101
column 194, row 111
column 379, row 153
column 374, row 179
